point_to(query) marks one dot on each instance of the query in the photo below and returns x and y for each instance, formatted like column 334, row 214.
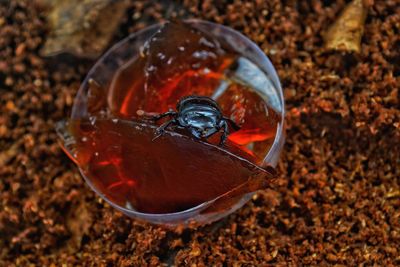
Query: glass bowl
column 104, row 71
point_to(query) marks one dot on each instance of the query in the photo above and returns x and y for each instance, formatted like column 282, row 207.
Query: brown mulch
column 339, row 199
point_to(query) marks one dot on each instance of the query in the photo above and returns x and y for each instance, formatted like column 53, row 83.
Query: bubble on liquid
column 203, row 55
column 161, row 56
column 151, row 68
column 206, row 70
column 92, row 120
column 205, row 42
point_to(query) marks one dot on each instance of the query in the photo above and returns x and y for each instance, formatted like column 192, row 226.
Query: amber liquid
column 115, row 147
column 169, row 174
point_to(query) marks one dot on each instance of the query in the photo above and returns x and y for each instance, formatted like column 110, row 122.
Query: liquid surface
column 115, row 149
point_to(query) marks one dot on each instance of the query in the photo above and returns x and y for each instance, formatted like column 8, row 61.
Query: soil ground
column 338, row 199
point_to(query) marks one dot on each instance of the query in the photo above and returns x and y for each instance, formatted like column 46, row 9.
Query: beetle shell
column 190, row 100
column 200, row 116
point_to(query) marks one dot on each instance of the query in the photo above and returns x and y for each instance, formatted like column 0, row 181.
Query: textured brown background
column 338, row 201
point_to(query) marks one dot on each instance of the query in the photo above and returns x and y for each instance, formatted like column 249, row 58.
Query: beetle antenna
column 155, row 116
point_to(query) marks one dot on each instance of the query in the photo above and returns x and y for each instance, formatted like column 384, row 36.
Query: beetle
column 200, row 115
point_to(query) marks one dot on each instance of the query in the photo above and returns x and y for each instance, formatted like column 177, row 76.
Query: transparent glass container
column 263, row 75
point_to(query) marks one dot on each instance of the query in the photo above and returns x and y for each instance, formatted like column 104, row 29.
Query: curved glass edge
column 194, row 213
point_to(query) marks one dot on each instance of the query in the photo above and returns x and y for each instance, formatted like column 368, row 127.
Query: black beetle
column 200, row 115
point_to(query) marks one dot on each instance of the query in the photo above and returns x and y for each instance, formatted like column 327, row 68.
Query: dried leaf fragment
column 9, row 154
column 346, row 32
column 81, row 27
column 79, row 220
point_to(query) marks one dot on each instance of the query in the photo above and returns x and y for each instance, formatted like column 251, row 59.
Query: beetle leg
column 225, row 133
column 232, row 123
column 166, row 114
column 160, row 130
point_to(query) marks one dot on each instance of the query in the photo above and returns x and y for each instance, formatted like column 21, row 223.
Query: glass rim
column 275, row 147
